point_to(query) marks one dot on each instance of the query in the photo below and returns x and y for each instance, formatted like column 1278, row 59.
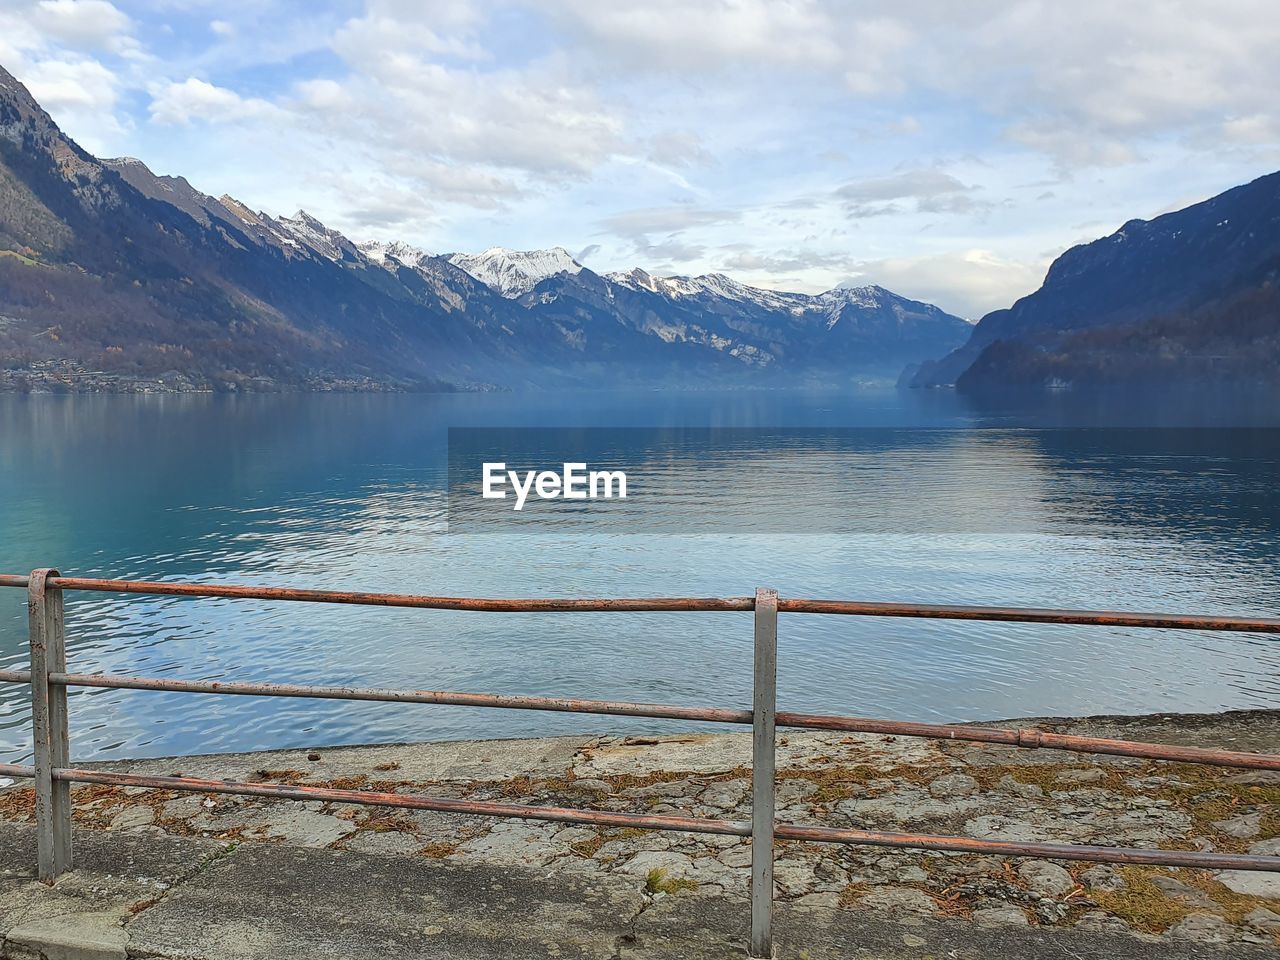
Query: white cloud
column 396, row 29
column 702, row 35
column 80, row 85
column 90, row 24
column 968, row 283
column 79, row 93
column 1259, row 128
column 876, row 49
column 200, row 101
column 794, row 141
column 534, row 122
column 1053, row 75
column 663, row 220
column 658, row 234
column 930, row 190
column 787, row 262
column 679, row 148
column 68, row 52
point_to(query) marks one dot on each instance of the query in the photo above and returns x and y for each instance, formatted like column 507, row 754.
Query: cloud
column 1082, row 83
column 702, row 35
column 379, row 212
column 670, row 251
column 657, row 233
column 79, row 92
column 420, row 96
column 878, row 46
column 679, row 148
column 195, row 100
column 397, row 29
column 675, row 131
column 82, row 85
column 968, row 283
column 650, row 220
column 455, row 183
column 1069, row 149
column 72, row 55
column 1256, row 128
column 83, row 24
column 931, row 191
column 787, row 262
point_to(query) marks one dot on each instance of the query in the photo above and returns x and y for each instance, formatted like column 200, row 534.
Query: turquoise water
column 1061, row 503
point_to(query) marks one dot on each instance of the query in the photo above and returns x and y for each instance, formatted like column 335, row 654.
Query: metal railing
column 53, row 775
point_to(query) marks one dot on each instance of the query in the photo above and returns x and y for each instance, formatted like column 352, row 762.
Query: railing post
column 49, row 726
column 762, row 772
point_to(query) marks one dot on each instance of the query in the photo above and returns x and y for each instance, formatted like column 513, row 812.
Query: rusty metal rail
column 53, row 775
column 936, row 731
column 479, row 604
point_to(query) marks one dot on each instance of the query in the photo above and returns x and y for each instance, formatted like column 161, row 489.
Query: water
column 1060, row 503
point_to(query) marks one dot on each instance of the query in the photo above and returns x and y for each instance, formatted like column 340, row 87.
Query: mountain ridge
column 1192, row 295
column 515, row 272
column 114, row 277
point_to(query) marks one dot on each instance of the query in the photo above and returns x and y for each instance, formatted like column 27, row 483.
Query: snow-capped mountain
column 515, row 272
column 383, row 251
column 329, row 243
column 827, row 305
column 145, row 278
column 711, row 284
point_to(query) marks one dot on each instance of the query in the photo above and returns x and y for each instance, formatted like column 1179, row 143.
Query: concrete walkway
column 138, row 895
column 162, row 873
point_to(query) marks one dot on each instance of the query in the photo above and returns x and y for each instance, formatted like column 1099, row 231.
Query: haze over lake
column 1057, row 504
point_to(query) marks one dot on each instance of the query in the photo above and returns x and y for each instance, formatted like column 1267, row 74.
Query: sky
column 948, row 151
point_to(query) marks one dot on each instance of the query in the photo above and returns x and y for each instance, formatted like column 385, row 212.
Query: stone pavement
column 182, row 875
column 141, row 895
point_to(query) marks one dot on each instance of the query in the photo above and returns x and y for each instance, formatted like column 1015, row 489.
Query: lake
column 1071, row 500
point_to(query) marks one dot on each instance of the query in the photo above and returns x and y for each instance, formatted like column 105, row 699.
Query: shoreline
column 1250, row 729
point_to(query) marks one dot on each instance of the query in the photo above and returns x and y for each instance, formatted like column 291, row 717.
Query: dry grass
column 591, row 846
column 527, row 786
column 438, row 850
column 18, row 804
column 836, row 783
column 1208, row 797
column 381, row 822
column 952, row 906
column 393, row 786
column 1048, row 776
column 588, row 848
column 1142, row 904
column 852, row 893
column 1145, row 906
column 657, row 881
column 349, row 783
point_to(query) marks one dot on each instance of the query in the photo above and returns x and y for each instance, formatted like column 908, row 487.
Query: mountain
column 514, row 272
column 115, row 278
column 406, row 254
column 864, row 331
column 1191, row 296
column 141, row 283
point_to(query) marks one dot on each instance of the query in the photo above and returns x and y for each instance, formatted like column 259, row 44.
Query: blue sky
column 945, row 150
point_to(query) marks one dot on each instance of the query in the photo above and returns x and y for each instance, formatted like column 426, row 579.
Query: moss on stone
column 657, row 881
